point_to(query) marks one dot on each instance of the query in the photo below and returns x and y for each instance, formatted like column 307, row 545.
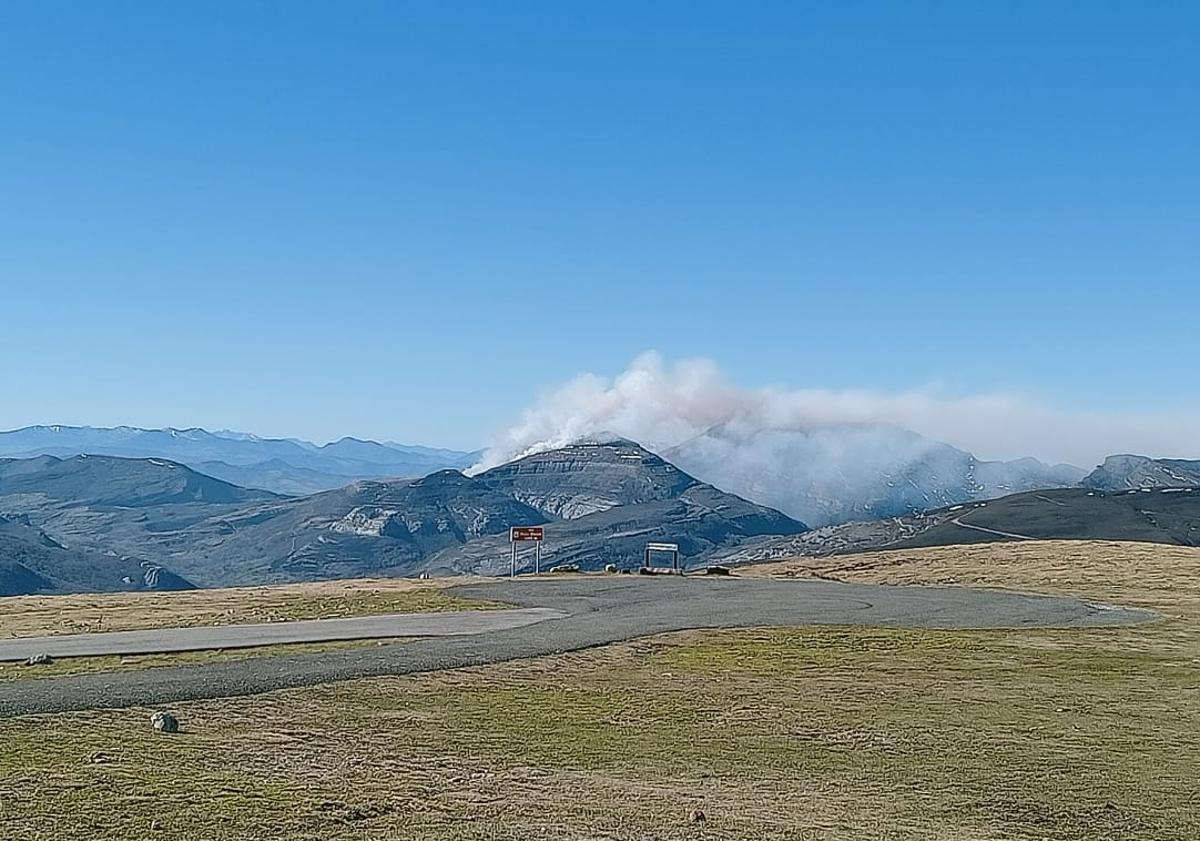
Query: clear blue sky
column 401, row 220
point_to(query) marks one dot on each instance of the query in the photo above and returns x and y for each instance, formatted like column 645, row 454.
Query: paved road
column 461, row 623
column 596, row 610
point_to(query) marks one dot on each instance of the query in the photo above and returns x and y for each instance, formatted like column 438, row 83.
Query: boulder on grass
column 164, row 722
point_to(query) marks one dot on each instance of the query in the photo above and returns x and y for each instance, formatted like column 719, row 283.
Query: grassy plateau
column 30, row 616
column 34, row 616
column 831, row 733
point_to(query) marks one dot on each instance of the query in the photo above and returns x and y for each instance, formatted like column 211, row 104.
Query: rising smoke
column 662, row 405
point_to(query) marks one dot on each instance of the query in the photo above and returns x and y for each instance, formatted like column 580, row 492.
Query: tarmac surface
column 166, row 641
column 569, row 613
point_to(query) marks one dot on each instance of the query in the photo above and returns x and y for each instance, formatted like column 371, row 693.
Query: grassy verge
column 27, row 616
column 831, row 733
column 86, row 665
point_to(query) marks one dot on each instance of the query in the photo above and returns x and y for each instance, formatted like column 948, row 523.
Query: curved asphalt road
column 451, row 624
column 593, row 611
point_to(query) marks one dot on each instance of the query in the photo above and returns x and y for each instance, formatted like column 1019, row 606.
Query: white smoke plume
column 661, row 405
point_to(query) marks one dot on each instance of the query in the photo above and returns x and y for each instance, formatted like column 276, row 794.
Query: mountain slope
column 108, row 481
column 112, row 505
column 701, row 520
column 369, row 528
column 588, row 477
column 848, row 472
column 1124, row 472
column 31, row 562
column 1169, row 516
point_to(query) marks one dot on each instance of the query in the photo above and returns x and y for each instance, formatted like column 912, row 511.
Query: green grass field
column 833, row 733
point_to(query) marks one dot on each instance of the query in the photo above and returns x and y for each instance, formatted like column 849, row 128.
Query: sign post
column 526, row 534
column 671, row 548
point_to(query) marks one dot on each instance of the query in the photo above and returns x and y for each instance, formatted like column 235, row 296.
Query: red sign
column 518, row 534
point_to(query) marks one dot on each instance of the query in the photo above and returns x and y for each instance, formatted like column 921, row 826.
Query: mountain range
column 281, row 465
column 95, row 522
column 600, row 502
column 820, row 475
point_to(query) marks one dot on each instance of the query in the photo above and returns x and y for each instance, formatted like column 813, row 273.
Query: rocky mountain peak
column 588, row 477
column 1127, row 471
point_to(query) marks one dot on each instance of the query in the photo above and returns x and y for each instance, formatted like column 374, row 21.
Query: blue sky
column 405, row 220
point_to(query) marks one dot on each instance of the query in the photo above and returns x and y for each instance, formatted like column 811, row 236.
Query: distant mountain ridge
column 1128, row 472
column 113, row 481
column 281, row 465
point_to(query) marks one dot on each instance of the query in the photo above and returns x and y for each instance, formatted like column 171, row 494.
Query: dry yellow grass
column 840, row 734
column 1143, row 574
column 26, row 616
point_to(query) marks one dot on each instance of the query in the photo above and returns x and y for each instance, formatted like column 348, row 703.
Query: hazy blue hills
column 110, row 481
column 282, row 465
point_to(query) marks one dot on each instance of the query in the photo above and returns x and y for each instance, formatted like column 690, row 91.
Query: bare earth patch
column 822, row 733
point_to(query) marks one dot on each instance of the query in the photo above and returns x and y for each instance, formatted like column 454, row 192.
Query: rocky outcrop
column 587, row 478
column 1127, row 472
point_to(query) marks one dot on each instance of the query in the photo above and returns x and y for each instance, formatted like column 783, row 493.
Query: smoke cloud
column 661, row 405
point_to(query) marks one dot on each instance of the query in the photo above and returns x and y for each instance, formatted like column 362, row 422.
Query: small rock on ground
column 164, row 722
